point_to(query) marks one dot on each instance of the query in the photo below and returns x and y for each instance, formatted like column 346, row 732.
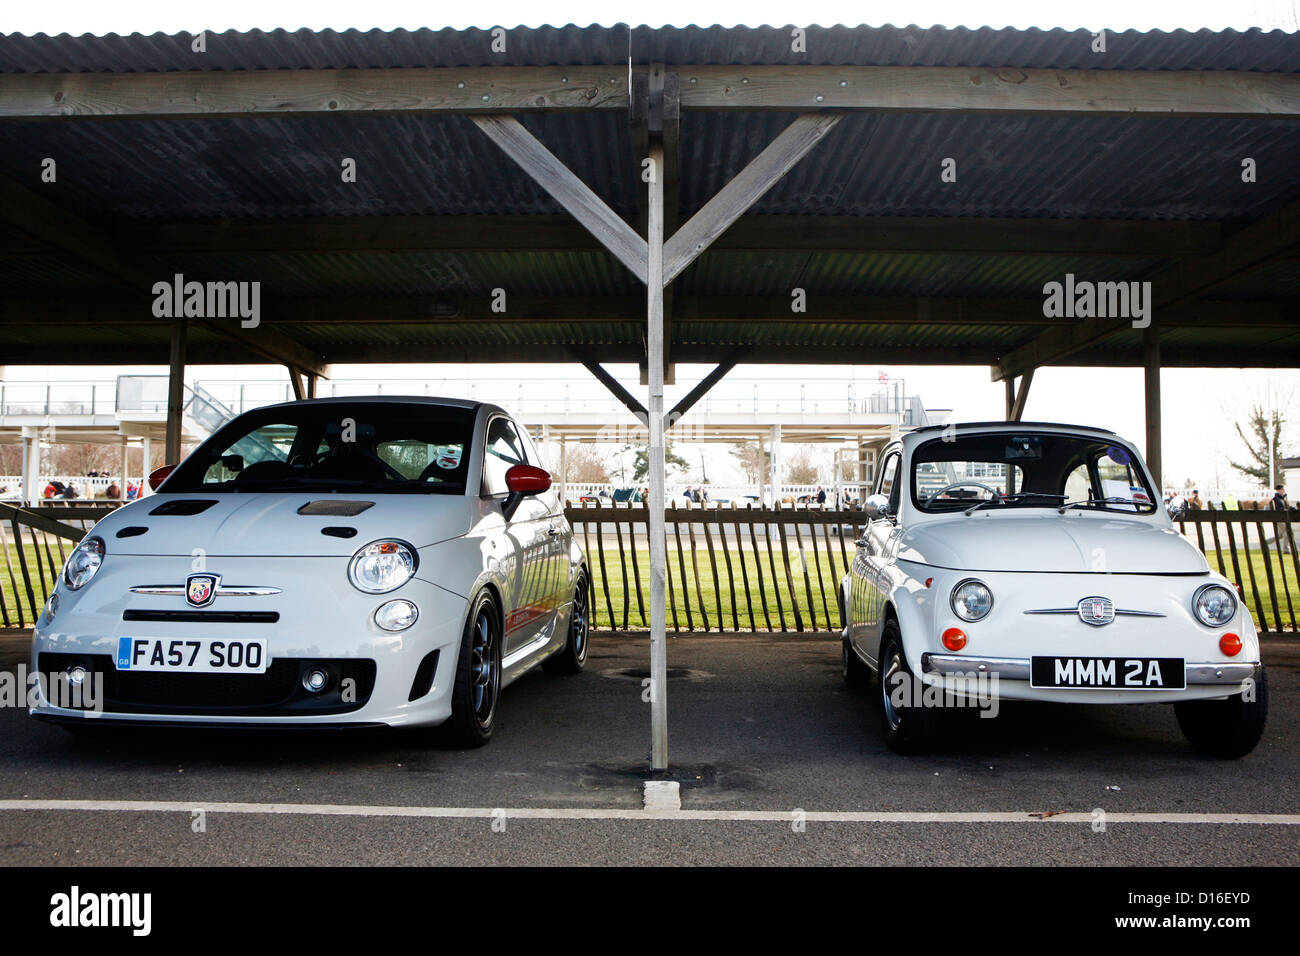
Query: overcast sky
column 1199, row 405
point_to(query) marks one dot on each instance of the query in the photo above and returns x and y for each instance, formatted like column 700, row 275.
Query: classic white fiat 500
column 1035, row 562
column 357, row 561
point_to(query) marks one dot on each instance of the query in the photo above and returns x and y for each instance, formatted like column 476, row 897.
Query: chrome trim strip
column 1007, row 668
column 1233, row 673
column 1075, row 611
column 1017, row 668
column 222, row 590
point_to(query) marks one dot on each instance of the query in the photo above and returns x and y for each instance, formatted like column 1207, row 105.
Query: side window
column 503, row 451
column 888, row 476
column 530, row 449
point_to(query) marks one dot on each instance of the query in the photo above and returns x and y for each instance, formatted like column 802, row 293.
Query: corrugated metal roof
column 119, row 171
column 592, row 45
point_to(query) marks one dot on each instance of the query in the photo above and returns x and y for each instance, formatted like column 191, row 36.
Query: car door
column 559, row 538
column 528, row 604
column 874, row 551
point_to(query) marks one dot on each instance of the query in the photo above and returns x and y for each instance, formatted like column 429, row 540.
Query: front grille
column 278, row 692
column 209, row 617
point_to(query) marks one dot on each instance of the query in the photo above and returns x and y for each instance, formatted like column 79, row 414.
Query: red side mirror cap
column 527, row 480
column 157, row 477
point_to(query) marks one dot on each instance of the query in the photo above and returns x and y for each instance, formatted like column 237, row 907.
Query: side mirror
column 158, row 476
column 876, row 506
column 527, row 480
column 523, row 481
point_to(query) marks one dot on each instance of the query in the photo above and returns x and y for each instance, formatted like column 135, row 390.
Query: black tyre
column 856, row 673
column 478, row 677
column 909, row 727
column 1227, row 728
column 573, row 656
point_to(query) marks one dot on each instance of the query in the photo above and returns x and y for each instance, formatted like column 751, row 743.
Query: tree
column 585, row 464
column 1261, row 426
column 802, row 470
column 752, row 458
column 641, row 462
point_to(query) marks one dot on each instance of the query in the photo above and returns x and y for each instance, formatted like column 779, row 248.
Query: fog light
column 76, row 675
column 954, row 638
column 315, row 680
column 396, row 615
column 1230, row 644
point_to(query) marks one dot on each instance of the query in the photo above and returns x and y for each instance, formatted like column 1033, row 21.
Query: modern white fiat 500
column 1035, row 562
column 356, row 561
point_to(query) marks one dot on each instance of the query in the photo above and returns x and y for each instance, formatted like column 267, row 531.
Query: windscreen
column 377, row 447
column 1028, row 470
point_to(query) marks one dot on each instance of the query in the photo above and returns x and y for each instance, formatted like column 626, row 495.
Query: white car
column 348, row 561
column 1034, row 562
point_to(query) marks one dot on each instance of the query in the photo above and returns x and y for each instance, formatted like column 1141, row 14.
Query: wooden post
column 1151, row 363
column 175, row 393
column 655, row 425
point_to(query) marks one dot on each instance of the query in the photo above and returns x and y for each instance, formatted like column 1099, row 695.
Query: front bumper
column 315, row 620
column 1203, row 679
column 1017, row 668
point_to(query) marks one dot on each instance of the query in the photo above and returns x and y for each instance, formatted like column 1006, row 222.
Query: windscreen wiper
column 1136, row 502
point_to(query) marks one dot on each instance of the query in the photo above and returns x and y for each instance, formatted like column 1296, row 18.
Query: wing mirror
column 527, row 480
column 158, row 476
column 876, row 506
column 523, row 481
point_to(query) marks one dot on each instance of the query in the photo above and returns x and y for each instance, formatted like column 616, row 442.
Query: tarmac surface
column 778, row 763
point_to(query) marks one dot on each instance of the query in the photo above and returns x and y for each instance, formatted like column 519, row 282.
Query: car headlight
column 1214, row 605
column 971, row 600
column 85, row 560
column 382, row 566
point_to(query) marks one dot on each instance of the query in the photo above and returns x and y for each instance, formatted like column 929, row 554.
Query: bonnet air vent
column 339, row 532
column 183, row 506
column 338, row 509
column 131, row 532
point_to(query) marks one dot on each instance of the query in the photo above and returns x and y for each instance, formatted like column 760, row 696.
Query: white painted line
column 629, row 813
column 662, row 796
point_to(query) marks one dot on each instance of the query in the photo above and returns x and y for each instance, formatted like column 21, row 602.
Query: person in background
column 70, row 492
column 1279, row 504
column 1279, row 498
column 821, row 496
column 132, row 491
column 113, row 491
column 1194, row 503
column 52, row 489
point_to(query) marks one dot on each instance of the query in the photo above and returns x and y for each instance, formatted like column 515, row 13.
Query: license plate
column 191, row 655
column 1108, row 673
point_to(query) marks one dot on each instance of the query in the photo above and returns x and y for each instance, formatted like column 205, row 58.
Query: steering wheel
column 962, row 484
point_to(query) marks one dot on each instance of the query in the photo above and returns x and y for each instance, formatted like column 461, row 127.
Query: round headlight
column 84, row 561
column 396, row 615
column 971, row 600
column 1214, row 605
column 382, row 566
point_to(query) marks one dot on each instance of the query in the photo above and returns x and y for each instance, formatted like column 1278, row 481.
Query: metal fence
column 729, row 568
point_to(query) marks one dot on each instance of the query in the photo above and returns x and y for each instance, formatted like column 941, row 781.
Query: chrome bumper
column 1017, row 668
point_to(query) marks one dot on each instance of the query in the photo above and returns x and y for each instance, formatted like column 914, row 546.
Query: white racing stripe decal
column 620, row 813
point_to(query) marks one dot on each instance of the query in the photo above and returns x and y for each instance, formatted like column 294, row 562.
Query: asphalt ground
column 757, row 723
